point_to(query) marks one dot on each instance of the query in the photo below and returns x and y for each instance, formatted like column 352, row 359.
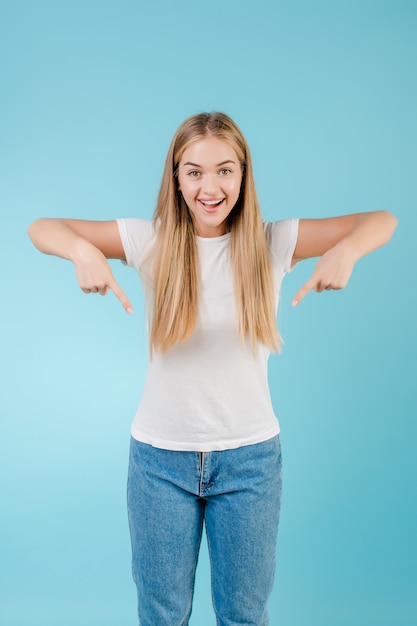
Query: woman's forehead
column 209, row 150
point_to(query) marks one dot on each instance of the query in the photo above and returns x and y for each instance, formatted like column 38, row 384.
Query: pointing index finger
column 308, row 286
column 120, row 294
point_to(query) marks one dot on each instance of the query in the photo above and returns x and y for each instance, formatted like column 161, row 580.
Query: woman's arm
column 340, row 242
column 88, row 244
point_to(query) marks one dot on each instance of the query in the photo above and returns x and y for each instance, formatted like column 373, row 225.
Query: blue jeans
column 237, row 495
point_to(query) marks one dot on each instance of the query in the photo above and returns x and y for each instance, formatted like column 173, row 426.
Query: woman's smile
column 211, row 206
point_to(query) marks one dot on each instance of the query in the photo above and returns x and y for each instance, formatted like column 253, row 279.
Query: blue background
column 91, row 94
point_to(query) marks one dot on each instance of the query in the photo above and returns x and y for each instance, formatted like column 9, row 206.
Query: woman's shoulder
column 136, row 228
column 136, row 224
column 281, row 237
column 281, row 230
column 137, row 234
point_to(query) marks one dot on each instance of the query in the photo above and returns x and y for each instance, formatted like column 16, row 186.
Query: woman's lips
column 211, row 206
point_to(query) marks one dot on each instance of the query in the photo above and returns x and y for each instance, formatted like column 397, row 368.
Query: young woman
column 205, row 445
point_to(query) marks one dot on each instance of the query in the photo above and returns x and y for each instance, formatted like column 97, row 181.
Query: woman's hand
column 339, row 242
column 332, row 271
column 88, row 244
column 94, row 273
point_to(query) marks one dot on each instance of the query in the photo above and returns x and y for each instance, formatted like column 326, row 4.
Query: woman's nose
column 210, row 184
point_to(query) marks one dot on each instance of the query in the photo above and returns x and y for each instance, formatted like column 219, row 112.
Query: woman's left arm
column 340, row 242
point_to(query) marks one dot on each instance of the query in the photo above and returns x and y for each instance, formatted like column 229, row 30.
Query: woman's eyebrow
column 218, row 164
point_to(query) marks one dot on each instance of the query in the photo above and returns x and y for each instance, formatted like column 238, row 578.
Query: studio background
column 91, row 94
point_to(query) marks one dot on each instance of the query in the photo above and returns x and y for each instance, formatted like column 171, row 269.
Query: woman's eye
column 193, row 174
column 224, row 171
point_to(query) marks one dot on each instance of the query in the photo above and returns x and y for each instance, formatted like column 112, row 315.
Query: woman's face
column 209, row 178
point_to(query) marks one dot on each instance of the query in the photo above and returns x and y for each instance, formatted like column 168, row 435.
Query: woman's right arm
column 88, row 244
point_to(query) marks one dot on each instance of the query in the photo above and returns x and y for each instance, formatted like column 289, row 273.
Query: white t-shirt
column 209, row 392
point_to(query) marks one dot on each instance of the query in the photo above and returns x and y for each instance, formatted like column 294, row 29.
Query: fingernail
column 129, row 310
column 294, row 302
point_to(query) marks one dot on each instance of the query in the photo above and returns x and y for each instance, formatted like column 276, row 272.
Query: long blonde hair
column 174, row 259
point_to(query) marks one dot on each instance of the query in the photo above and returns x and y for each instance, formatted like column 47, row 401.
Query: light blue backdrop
column 91, row 93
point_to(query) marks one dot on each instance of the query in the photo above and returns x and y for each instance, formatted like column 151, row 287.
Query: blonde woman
column 205, row 446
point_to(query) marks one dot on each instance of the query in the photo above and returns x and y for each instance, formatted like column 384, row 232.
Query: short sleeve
column 136, row 235
column 282, row 239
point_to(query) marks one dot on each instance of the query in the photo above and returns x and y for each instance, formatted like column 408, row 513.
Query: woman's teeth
column 211, row 203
